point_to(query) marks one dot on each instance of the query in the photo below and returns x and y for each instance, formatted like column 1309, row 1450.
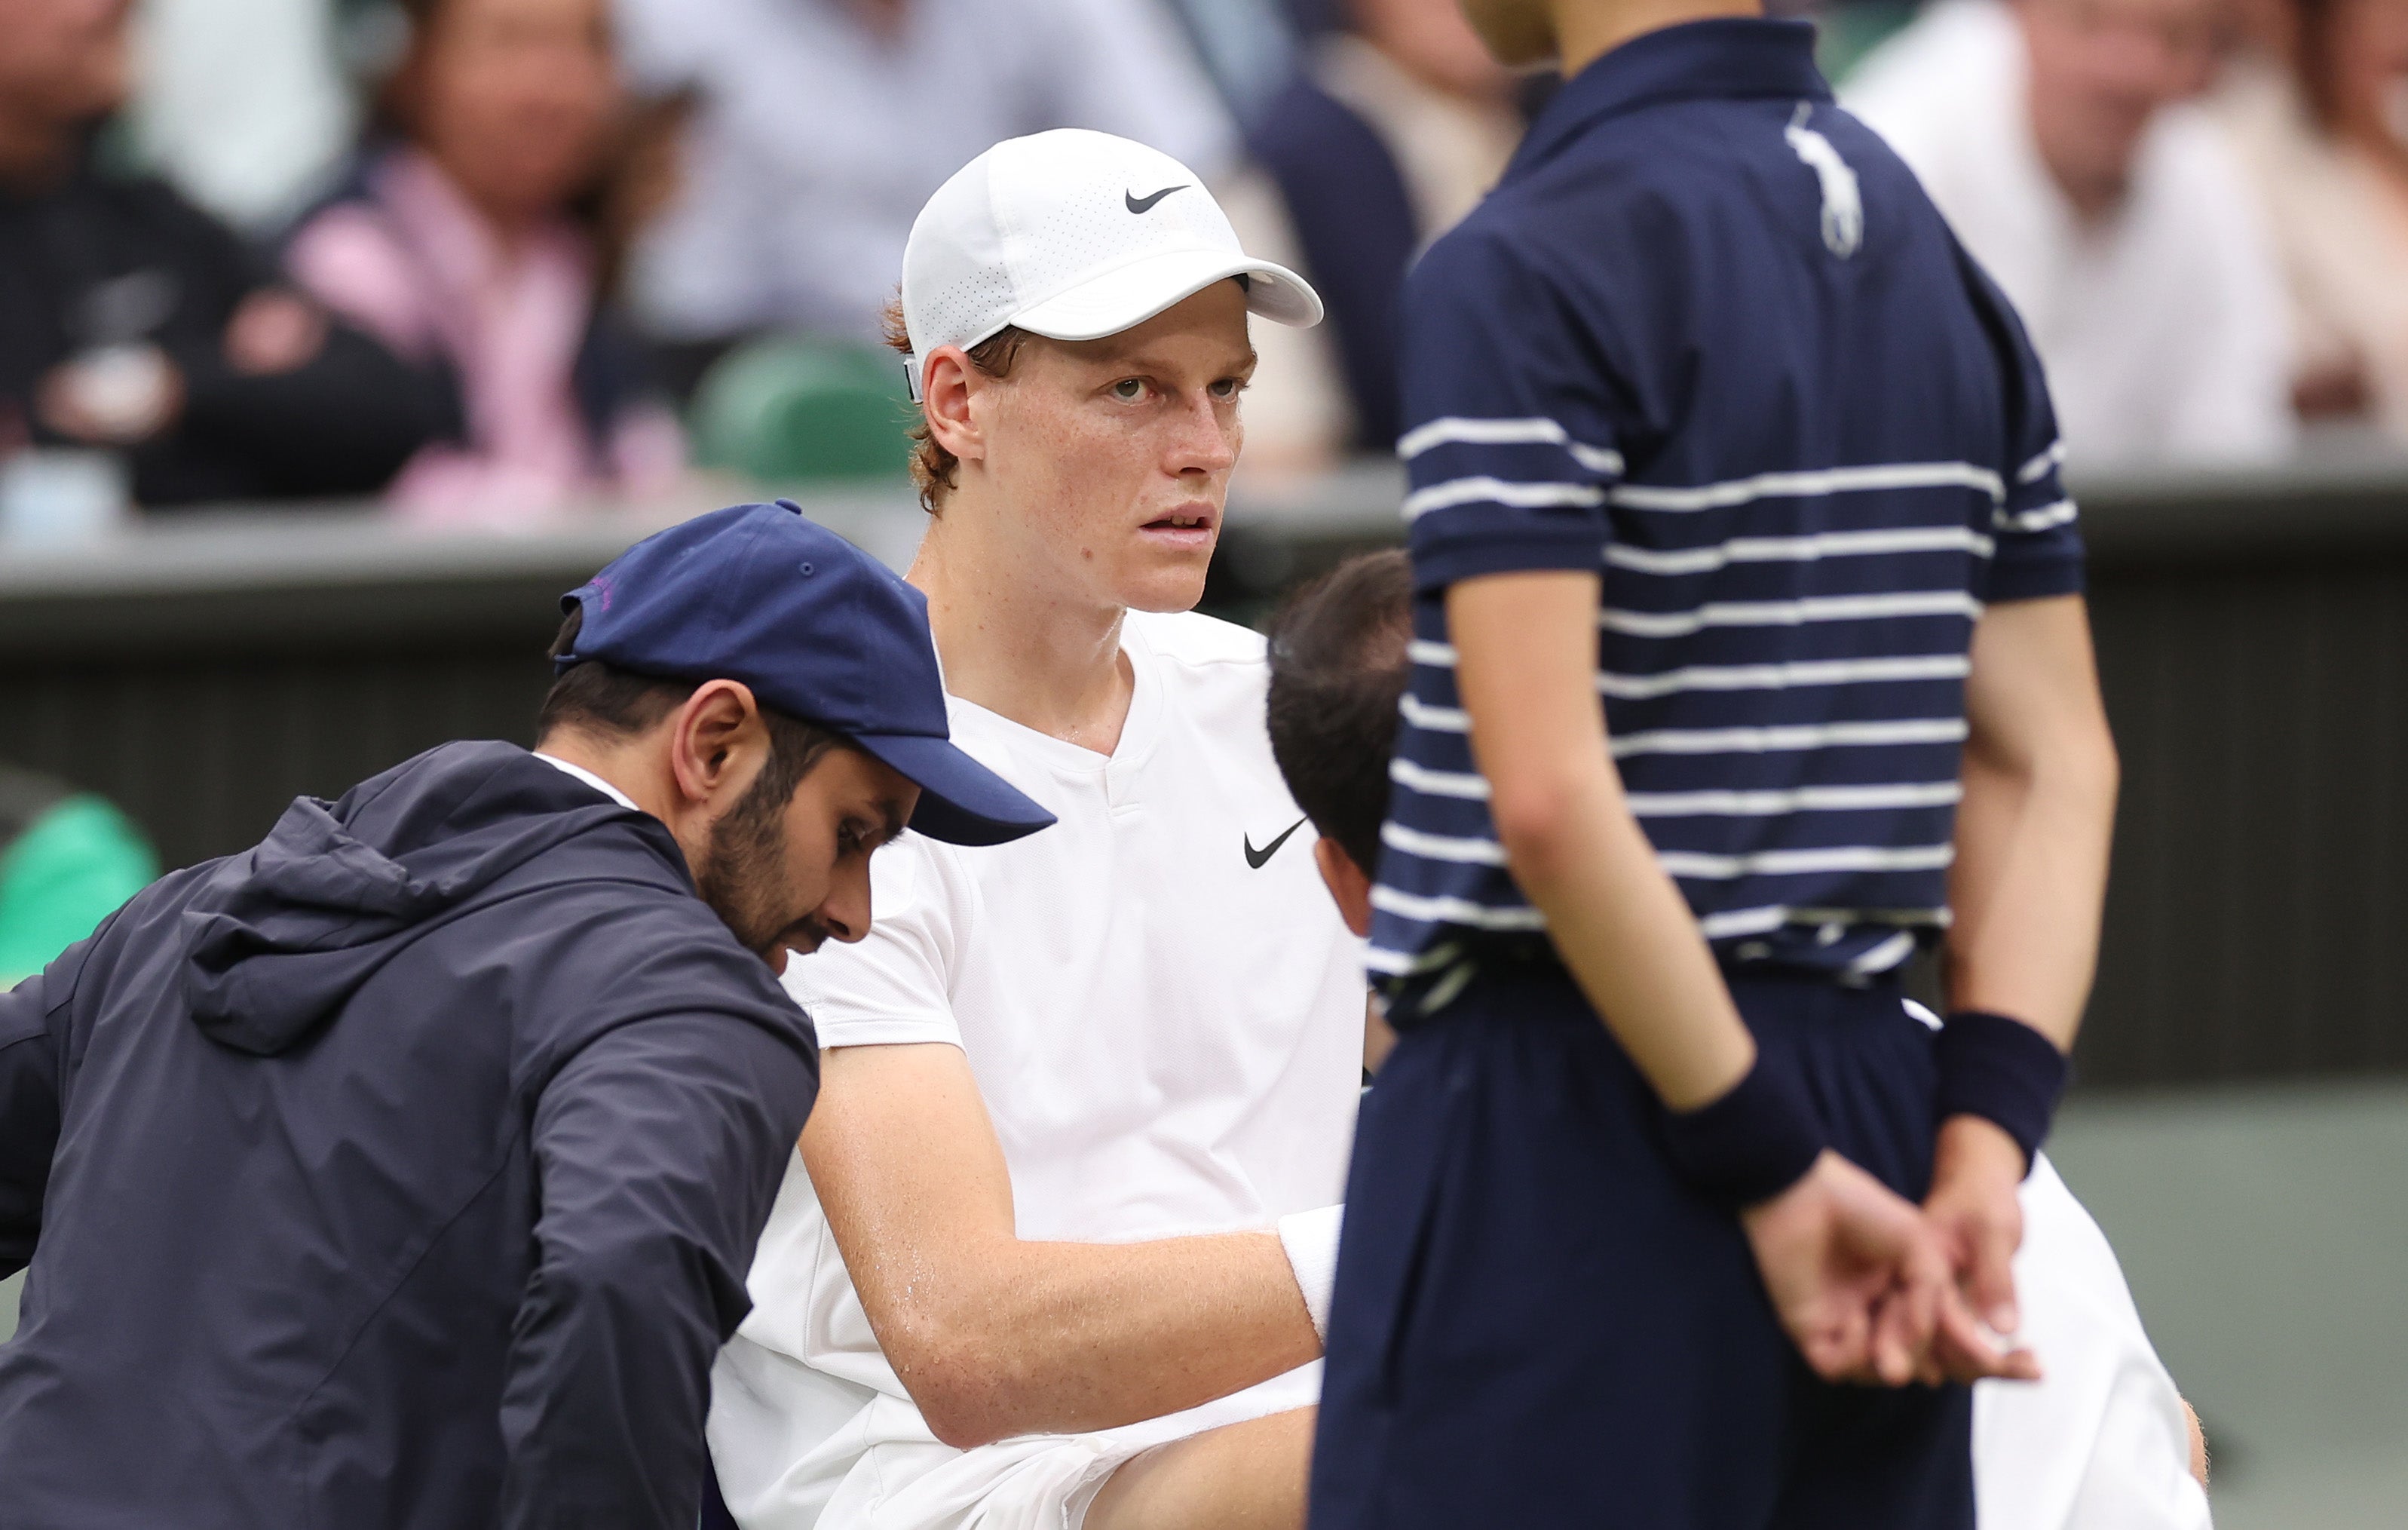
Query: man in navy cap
column 403, row 1170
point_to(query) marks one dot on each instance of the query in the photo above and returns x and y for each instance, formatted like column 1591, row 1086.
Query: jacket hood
column 275, row 939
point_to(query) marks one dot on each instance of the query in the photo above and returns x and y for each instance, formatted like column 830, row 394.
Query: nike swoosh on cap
column 1256, row 858
column 1145, row 204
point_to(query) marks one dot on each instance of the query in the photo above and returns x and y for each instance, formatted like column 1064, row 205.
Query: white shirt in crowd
column 819, row 138
column 2162, row 324
column 1167, row 1036
column 243, row 104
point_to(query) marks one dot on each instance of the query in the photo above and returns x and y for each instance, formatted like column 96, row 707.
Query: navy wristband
column 2003, row 1071
column 1755, row 1142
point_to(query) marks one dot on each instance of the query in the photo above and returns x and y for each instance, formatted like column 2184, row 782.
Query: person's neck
column 1586, row 31
column 512, row 224
column 35, row 155
column 2092, row 195
column 639, row 772
column 2094, row 200
column 1012, row 641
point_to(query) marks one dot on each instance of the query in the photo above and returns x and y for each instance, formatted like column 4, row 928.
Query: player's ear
column 1348, row 883
column 946, row 384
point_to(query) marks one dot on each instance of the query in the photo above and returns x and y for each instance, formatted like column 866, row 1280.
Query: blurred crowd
column 495, row 260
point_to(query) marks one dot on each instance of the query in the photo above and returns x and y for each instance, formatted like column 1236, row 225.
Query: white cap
column 1074, row 234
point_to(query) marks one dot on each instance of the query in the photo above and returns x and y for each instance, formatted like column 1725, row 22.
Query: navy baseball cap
column 819, row 630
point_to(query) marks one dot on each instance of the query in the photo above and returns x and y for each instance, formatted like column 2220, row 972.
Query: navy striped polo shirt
column 1710, row 338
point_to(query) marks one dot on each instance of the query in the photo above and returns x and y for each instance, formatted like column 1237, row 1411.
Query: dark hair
column 1338, row 667
column 607, row 701
column 932, row 467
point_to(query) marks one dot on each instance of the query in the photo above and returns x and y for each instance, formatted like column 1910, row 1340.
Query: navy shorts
column 1537, row 1324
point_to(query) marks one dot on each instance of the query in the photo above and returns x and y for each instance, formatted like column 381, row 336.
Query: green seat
column 795, row 411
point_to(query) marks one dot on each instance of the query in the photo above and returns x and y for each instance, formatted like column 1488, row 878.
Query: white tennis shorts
column 889, row 1475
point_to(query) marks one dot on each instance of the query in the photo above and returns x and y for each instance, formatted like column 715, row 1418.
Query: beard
column 743, row 878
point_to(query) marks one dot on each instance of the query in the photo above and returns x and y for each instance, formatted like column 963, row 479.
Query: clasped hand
column 1873, row 1290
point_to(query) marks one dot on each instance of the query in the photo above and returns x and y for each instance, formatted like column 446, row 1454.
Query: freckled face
column 1116, row 453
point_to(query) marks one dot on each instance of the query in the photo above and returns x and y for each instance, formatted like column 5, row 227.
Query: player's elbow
column 1534, row 810
column 964, row 1404
column 960, row 1377
column 2080, row 772
column 960, row 1421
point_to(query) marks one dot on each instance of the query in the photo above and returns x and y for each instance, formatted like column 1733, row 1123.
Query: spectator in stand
column 67, row 860
column 479, row 234
column 132, row 322
column 2323, row 128
column 1397, row 126
column 825, row 125
column 2054, row 135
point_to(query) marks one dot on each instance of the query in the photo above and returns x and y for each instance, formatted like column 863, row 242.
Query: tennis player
column 2104, row 1441
column 1749, row 655
column 1069, row 1214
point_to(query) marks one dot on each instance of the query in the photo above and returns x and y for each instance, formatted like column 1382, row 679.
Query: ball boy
column 1748, row 655
column 2105, row 1442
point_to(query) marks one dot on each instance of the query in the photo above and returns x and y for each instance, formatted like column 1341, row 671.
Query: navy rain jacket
column 402, row 1171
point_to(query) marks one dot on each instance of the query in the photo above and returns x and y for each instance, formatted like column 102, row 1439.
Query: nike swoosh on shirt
column 1256, row 858
column 1145, row 204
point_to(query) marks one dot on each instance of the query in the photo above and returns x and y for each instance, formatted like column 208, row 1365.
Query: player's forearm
column 993, row 1335
column 2033, row 831
column 1631, row 941
column 1023, row 1337
column 1526, row 649
column 2030, row 879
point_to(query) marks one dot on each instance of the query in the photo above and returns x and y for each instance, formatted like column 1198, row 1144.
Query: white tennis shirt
column 1161, row 1006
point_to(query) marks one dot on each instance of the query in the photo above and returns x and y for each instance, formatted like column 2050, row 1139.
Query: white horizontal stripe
column 1758, row 740
column 1465, row 851
column 1742, row 921
column 1423, row 651
column 1896, row 475
column 1885, row 955
column 1434, row 719
column 1429, row 783
column 1843, row 857
column 2037, row 468
column 1756, row 921
column 1911, row 538
column 1497, row 491
column 1828, row 671
column 1454, row 911
column 1387, row 963
column 1762, row 805
column 1821, row 607
column 1537, row 431
column 2037, row 520
column 1445, row 953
